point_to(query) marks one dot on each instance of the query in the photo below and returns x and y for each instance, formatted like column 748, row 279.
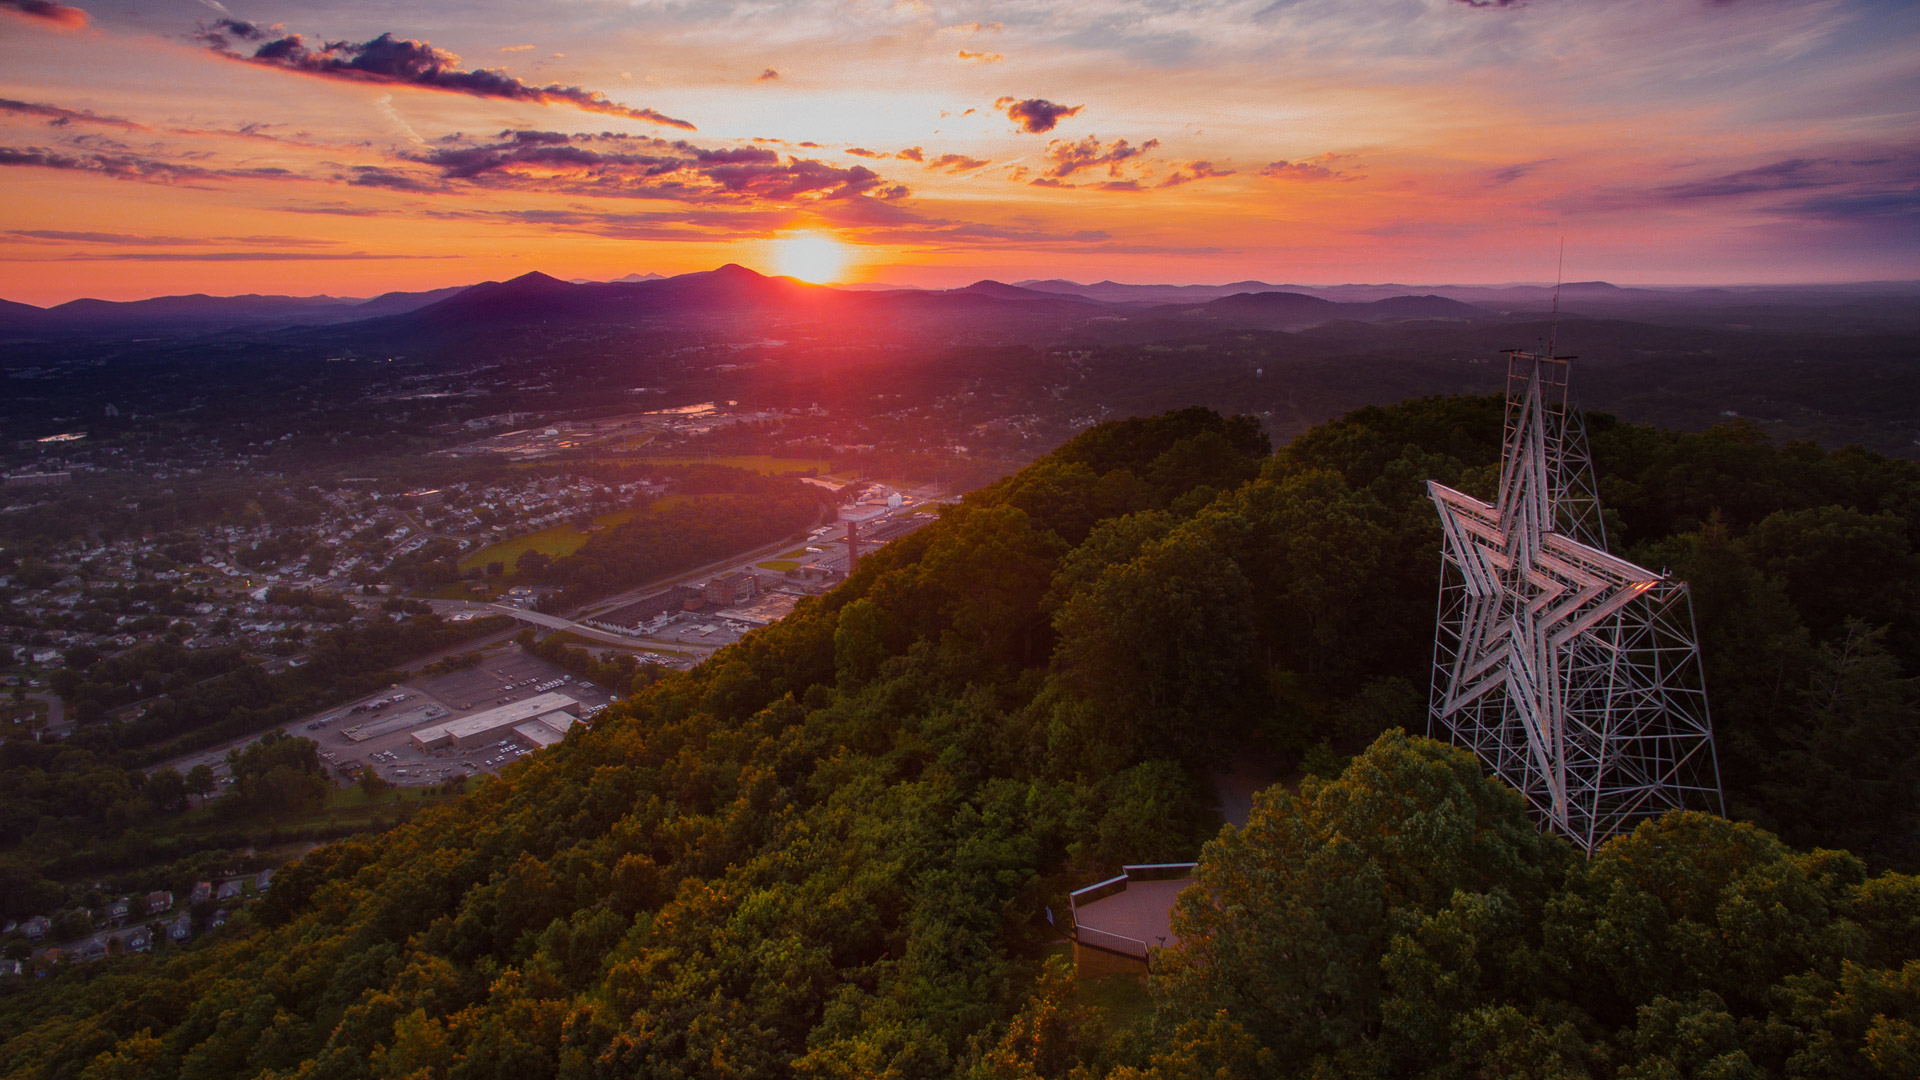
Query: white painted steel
column 1572, row 673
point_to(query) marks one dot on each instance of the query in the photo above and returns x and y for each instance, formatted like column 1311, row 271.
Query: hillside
column 836, row 849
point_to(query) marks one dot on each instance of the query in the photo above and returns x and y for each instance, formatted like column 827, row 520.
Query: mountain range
column 733, row 291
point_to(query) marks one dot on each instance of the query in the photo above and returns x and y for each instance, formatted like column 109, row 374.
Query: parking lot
column 376, row 730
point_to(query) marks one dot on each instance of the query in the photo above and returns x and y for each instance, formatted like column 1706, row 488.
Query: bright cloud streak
column 1150, row 140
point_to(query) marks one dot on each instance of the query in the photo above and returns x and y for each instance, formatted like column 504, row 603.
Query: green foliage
column 371, row 784
column 830, row 850
column 742, row 510
column 276, row 776
column 1406, row 920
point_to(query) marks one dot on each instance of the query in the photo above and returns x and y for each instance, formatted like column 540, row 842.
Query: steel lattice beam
column 1573, row 674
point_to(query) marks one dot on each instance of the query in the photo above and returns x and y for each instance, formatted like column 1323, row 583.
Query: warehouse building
column 492, row 725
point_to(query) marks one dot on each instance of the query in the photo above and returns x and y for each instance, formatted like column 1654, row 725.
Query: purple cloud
column 399, row 61
column 1036, row 115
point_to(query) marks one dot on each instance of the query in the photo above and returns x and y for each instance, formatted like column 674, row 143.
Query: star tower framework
column 1573, row 674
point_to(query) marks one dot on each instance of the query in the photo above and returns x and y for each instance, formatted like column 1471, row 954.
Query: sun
column 810, row 257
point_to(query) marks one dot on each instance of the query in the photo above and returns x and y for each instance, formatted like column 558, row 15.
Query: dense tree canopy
column 831, row 851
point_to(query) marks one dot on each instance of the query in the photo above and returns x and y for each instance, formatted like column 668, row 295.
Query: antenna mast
column 1559, row 274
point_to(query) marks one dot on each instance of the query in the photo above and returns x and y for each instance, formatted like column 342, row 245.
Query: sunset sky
column 171, row 146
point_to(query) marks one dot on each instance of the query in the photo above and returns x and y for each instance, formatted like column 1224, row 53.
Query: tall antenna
column 1559, row 274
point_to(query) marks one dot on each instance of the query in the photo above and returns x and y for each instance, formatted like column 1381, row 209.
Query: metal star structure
column 1573, row 674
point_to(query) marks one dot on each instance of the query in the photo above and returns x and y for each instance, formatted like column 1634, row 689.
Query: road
column 555, row 622
column 56, row 712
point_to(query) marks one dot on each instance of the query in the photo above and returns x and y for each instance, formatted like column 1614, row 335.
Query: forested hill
column 831, row 851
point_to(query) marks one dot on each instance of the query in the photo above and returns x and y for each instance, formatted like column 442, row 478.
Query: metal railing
column 1100, row 890
column 1119, row 943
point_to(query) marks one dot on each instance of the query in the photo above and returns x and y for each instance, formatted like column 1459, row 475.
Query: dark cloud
column 861, row 151
column 338, row 209
column 1191, row 171
column 59, row 236
column 62, row 116
column 911, row 153
column 117, row 166
column 1309, row 171
column 377, row 176
column 767, row 76
column 1035, row 115
column 1883, row 188
column 1069, row 157
column 1507, row 174
column 1886, row 204
column 399, row 61
column 797, row 177
column 957, row 163
column 1872, row 188
column 47, row 13
column 1119, row 185
column 1793, row 174
column 982, row 58
column 240, row 256
column 633, row 166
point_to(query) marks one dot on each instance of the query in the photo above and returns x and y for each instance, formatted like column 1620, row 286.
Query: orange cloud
column 47, row 13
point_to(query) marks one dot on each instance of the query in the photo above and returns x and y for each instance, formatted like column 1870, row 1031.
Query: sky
column 154, row 147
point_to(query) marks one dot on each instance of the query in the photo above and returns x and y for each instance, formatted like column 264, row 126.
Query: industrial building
column 554, row 712
column 730, row 589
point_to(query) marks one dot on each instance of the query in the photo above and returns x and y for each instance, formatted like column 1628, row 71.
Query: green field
column 778, row 565
column 555, row 541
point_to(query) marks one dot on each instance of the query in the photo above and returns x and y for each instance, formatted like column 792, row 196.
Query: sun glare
column 810, row 257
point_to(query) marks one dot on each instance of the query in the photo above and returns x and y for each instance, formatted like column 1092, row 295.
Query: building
column 230, row 889
column 38, row 479
column 201, row 892
column 181, row 928
column 730, row 589
column 544, row 731
column 36, row 927
column 493, row 724
column 120, row 909
column 158, row 902
column 429, row 497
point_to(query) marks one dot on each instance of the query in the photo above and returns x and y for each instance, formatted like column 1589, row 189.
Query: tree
column 371, row 784
column 200, row 781
column 167, row 789
column 1285, row 934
